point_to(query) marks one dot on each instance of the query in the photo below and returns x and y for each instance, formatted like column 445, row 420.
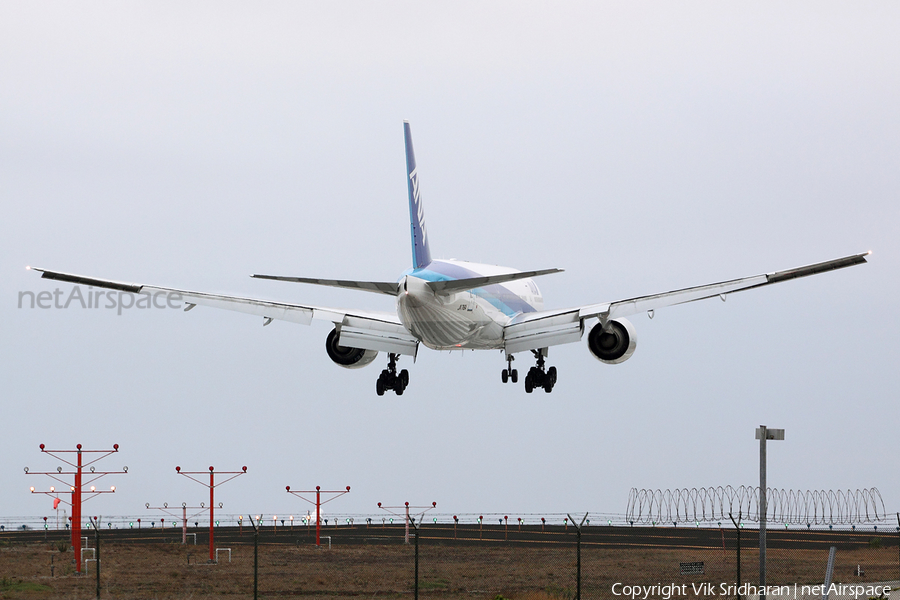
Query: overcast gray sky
column 640, row 146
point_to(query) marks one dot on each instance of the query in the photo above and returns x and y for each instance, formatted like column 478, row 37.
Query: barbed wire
column 814, row 507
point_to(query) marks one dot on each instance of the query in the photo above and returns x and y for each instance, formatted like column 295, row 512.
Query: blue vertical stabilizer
column 421, row 252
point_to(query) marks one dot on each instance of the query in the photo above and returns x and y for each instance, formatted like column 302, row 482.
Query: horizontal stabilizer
column 379, row 287
column 458, row 285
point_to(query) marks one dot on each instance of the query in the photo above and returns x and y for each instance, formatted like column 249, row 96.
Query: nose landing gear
column 509, row 373
column 537, row 377
column 390, row 379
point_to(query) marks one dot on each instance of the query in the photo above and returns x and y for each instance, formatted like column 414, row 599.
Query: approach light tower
column 417, row 510
column 184, row 515
column 318, row 492
column 79, row 484
column 212, row 496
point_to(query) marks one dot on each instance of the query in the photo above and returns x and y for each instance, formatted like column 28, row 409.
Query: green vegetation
column 10, row 585
column 558, row 591
column 436, row 584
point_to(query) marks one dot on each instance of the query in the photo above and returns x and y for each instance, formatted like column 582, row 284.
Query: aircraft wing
column 529, row 331
column 370, row 330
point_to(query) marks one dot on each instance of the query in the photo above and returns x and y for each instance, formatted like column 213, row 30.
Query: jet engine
column 614, row 344
column 349, row 358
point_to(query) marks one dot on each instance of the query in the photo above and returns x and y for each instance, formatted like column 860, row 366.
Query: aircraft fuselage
column 471, row 319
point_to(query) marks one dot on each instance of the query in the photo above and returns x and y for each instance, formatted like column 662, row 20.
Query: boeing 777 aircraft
column 453, row 304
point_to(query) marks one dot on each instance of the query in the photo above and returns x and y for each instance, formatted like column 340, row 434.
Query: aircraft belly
column 447, row 327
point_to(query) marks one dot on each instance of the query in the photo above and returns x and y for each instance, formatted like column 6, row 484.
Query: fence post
column 97, row 552
column 417, row 563
column 578, row 567
column 578, row 554
column 255, row 557
column 737, row 527
column 416, row 568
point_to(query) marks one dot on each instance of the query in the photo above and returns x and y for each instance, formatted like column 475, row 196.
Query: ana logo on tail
column 420, row 213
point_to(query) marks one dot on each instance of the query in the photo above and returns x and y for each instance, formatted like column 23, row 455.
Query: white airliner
column 452, row 305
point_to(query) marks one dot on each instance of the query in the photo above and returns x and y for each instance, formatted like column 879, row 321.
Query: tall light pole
column 212, row 498
column 763, row 434
column 318, row 492
column 418, row 510
column 77, row 497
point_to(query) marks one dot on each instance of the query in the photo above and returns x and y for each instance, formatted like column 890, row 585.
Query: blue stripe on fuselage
column 499, row 296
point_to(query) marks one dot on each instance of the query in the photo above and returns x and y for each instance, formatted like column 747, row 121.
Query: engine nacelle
column 349, row 358
column 614, row 345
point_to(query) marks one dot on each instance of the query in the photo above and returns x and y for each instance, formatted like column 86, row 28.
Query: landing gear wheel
column 389, row 379
column 509, row 373
column 537, row 377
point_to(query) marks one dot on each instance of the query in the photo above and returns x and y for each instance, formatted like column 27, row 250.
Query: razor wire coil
column 814, row 507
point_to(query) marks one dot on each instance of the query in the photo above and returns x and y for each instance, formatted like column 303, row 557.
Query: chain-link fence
column 524, row 562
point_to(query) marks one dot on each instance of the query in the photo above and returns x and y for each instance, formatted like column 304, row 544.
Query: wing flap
column 370, row 334
column 548, row 330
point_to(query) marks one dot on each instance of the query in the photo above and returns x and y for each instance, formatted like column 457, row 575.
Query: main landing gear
column 537, row 377
column 390, row 379
column 509, row 373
